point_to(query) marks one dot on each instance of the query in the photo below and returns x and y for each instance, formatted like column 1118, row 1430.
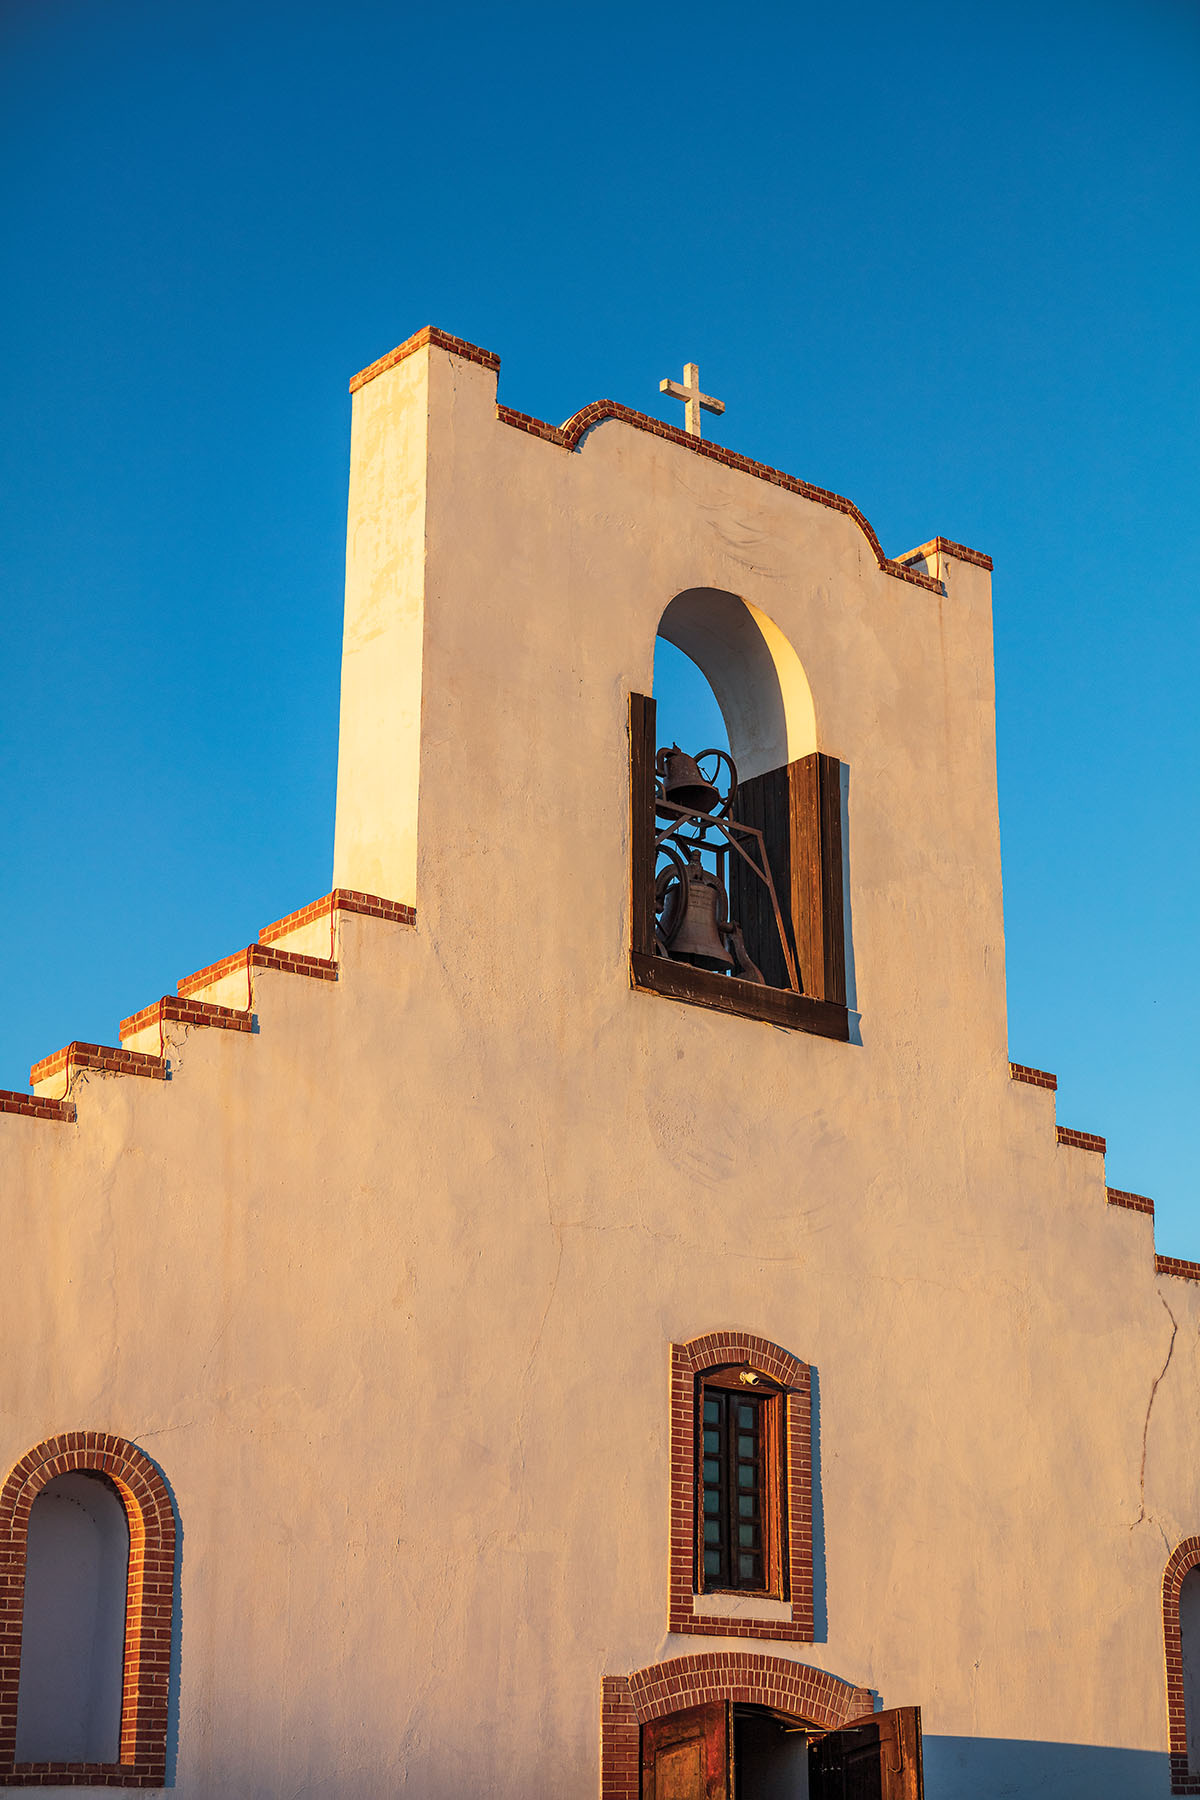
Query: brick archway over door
column 743, row 1676
column 149, row 1606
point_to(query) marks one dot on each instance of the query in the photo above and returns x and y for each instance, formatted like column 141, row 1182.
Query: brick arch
column 710, row 1351
column 744, row 1677
column 1185, row 1557
column 149, row 1606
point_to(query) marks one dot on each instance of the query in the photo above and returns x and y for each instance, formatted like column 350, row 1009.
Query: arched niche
column 73, row 1635
column 756, row 675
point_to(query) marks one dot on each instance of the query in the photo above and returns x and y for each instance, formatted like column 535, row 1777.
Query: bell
column 694, row 917
column 683, row 784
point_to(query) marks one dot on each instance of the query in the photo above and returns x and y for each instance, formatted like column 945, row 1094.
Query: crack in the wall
column 1149, row 1409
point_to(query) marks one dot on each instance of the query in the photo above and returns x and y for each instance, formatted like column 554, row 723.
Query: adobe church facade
column 526, row 1362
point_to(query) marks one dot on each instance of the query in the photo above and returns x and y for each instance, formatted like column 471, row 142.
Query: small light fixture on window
column 748, row 1378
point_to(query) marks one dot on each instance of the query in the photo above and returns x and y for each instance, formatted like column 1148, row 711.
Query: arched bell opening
column 738, row 822
column 757, row 679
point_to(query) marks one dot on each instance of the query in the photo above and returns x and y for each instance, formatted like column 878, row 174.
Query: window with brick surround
column 741, row 1490
column 112, row 1730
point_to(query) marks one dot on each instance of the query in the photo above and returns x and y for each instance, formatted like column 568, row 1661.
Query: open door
column 876, row 1758
column 686, row 1755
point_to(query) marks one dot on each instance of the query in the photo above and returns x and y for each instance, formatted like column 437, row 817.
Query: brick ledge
column 1040, row 1078
column 109, row 1059
column 428, row 334
column 259, row 956
column 349, row 900
column 36, row 1106
column 1081, row 1140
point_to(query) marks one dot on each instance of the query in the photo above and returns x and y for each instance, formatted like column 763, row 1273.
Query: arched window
column 87, row 1589
column 741, row 1489
column 747, row 913
column 73, row 1623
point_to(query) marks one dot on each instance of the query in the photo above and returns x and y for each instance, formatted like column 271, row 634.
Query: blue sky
column 941, row 259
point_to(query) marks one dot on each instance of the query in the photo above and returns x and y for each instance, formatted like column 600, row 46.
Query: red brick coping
column 36, row 1106
column 1177, row 1265
column 1185, row 1557
column 743, row 1676
column 1081, row 1140
column 1040, row 1078
column 688, row 1360
column 1134, row 1202
column 569, row 435
column 148, row 1612
column 942, row 546
column 340, row 900
column 186, row 1012
column 111, row 1059
column 259, row 956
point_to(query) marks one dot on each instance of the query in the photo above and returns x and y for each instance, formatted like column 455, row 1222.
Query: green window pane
column 712, row 1443
column 745, row 1446
column 712, row 1412
column 745, row 1415
column 712, row 1531
column 712, row 1500
column 747, row 1476
column 747, row 1567
column 747, row 1505
column 748, row 1537
column 712, row 1562
column 712, row 1470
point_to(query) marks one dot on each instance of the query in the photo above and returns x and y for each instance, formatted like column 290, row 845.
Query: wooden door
column 877, row 1758
column 686, row 1755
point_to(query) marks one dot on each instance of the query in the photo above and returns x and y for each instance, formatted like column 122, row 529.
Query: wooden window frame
column 803, row 840
column 716, row 1355
column 149, row 1608
column 771, row 1482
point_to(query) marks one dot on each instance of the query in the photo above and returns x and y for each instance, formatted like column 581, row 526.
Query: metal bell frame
column 686, row 833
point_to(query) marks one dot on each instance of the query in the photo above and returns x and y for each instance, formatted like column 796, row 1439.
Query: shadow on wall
column 1017, row 1769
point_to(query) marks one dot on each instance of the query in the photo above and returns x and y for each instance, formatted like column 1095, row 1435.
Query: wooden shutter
column 641, row 822
column 876, row 1758
column 798, row 809
column 686, row 1755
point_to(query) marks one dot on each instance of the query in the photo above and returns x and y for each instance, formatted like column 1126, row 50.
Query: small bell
column 695, row 917
column 683, row 782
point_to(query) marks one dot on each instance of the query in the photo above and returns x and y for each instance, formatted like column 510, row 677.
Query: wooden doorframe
column 742, row 1676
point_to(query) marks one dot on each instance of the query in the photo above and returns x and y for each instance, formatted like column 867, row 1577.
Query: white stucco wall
column 388, row 1288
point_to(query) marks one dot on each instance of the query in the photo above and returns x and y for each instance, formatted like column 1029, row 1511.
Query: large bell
column 683, row 783
column 695, row 917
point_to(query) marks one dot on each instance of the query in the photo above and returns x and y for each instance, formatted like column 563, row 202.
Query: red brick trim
column 340, row 900
column 940, row 546
column 569, row 436
column 109, row 1058
column 187, row 1012
column 1175, row 1265
column 429, row 334
column 36, row 1106
column 1081, row 1140
column 1135, row 1202
column 259, row 956
column 744, row 1677
column 148, row 1615
column 687, row 1361
column 1041, row 1078
column 1186, row 1556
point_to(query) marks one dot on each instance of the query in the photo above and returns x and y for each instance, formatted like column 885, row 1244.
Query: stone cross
column 692, row 398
